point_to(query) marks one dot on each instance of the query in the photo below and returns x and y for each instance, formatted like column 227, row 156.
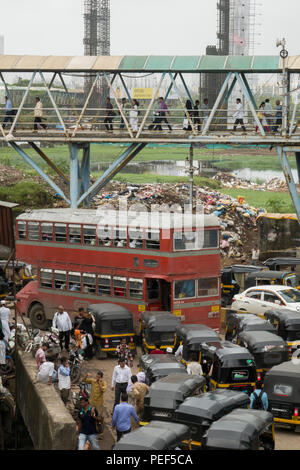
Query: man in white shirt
column 194, row 368
column 120, row 380
column 255, row 255
column 62, row 322
column 46, row 373
column 179, row 350
column 269, row 113
column 38, row 114
column 4, row 317
column 239, row 115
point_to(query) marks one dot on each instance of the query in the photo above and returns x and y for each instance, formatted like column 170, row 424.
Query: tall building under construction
column 235, row 34
column 97, row 40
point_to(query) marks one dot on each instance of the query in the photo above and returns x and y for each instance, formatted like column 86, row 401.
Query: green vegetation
column 271, row 201
column 27, row 194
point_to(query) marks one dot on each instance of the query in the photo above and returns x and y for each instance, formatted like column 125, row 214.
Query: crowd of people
column 196, row 114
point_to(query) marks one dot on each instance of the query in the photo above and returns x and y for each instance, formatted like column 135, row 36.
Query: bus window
column 60, row 233
column 60, row 279
column 104, row 285
column 136, row 288
column 22, row 230
column 153, row 290
column 184, row 289
column 104, row 236
column 89, row 283
column 33, row 231
column 119, row 286
column 46, row 278
column 47, row 232
column 210, row 239
column 136, row 238
column 184, row 241
column 89, row 235
column 120, row 237
column 208, row 287
column 153, row 239
column 75, row 234
column 74, row 281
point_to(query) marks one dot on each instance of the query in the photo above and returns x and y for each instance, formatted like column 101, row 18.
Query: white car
column 259, row 299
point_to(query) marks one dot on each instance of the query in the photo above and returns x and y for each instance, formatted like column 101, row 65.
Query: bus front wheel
column 37, row 317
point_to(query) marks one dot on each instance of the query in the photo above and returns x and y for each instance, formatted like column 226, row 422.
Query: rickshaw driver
column 123, row 352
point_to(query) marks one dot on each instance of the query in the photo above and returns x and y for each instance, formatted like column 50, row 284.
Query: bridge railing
column 71, row 121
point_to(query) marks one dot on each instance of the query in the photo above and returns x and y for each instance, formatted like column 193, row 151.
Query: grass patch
column 27, row 194
column 271, row 201
column 150, row 178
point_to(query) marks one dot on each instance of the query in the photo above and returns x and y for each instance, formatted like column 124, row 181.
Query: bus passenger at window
column 119, row 291
column 133, row 243
column 185, row 289
column 107, row 242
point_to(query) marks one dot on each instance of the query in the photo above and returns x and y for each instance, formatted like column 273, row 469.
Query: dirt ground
column 285, row 439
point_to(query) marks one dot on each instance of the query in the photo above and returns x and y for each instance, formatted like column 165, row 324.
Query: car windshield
column 291, row 296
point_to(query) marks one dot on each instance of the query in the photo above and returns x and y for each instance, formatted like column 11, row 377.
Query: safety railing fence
column 143, row 121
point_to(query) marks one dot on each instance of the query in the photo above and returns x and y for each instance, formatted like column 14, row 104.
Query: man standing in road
column 99, row 387
column 64, row 380
column 139, row 390
column 194, row 368
column 62, row 322
column 123, row 352
column 4, row 317
column 87, row 418
column 121, row 419
column 120, row 379
column 259, row 398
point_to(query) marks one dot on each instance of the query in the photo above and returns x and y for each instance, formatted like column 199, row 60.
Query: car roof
column 275, row 288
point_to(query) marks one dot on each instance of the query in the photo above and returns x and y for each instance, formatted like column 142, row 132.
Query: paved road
column 286, row 439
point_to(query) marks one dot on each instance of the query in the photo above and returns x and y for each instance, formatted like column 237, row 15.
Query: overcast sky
column 138, row 26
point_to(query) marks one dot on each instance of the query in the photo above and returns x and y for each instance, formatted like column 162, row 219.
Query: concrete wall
column 50, row 425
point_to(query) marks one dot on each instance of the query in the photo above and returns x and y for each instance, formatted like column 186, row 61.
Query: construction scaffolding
column 97, row 42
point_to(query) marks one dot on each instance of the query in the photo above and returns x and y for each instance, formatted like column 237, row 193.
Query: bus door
column 158, row 294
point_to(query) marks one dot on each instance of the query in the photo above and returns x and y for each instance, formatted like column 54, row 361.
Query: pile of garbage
column 229, row 180
column 237, row 219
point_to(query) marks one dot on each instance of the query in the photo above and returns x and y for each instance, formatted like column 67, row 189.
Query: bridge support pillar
column 287, row 171
column 74, row 175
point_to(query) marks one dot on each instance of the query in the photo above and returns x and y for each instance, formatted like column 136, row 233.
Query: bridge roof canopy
column 151, row 64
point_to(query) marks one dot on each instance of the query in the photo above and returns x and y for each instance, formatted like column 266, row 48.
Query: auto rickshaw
column 282, row 264
column 158, row 327
column 157, row 435
column 192, row 337
column 267, row 349
column 287, row 325
column 233, row 281
column 238, row 322
column 165, row 395
column 201, row 411
column 264, row 278
column 233, row 367
column 157, row 366
column 241, row 430
column 281, row 384
column 113, row 323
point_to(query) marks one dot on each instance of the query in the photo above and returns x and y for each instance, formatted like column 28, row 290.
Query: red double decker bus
column 83, row 258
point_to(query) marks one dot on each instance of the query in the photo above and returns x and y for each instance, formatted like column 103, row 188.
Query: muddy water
column 181, row 168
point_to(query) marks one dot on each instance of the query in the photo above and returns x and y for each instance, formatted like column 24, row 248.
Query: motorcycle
column 83, row 393
column 75, row 361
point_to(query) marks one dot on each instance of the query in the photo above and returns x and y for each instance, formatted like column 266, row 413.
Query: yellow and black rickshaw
column 283, row 264
column 281, row 384
column 158, row 366
column 199, row 412
column 157, row 435
column 264, row 278
column 165, row 395
column 233, row 367
column 241, row 430
column 287, row 326
column 233, row 281
column 113, row 323
column 268, row 350
column 158, row 328
column 191, row 338
column 238, row 322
